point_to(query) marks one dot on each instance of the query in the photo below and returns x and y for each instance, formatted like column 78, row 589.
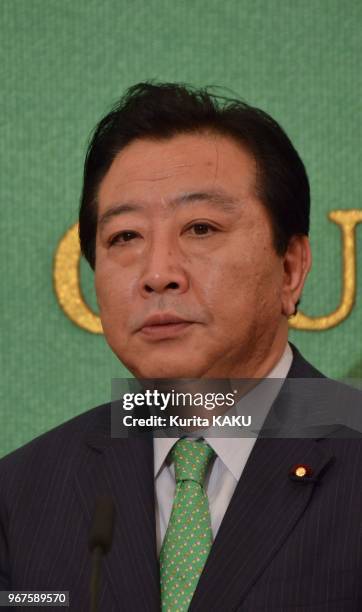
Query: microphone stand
column 97, row 556
column 100, row 542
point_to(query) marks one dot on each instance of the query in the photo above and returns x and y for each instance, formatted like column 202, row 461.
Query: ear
column 297, row 262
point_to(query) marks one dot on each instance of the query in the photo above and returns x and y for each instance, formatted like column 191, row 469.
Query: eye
column 202, row 229
column 121, row 237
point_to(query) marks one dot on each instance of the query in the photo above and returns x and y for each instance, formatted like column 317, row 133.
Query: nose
column 163, row 270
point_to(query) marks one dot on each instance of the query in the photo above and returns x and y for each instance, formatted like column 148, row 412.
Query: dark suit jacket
column 284, row 545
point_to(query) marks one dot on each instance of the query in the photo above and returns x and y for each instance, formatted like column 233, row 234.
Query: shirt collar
column 233, row 452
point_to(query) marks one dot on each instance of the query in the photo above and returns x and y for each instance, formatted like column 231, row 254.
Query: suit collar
column 300, row 367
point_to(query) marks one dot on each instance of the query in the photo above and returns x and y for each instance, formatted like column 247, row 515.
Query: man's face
column 187, row 279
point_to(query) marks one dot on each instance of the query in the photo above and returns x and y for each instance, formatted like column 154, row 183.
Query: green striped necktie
column 188, row 538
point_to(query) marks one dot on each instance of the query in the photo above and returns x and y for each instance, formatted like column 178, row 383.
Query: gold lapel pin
column 301, row 470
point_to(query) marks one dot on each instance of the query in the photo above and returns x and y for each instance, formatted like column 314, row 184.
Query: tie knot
column 191, row 459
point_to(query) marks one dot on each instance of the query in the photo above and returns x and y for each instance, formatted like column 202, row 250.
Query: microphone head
column 101, row 533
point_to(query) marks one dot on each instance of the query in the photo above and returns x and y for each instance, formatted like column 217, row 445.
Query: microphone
column 100, row 542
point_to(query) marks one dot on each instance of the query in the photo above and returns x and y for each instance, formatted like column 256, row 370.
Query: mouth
column 163, row 326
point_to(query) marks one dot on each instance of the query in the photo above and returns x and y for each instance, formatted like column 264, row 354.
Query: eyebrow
column 219, row 198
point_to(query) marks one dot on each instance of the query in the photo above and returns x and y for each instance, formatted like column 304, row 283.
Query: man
column 195, row 219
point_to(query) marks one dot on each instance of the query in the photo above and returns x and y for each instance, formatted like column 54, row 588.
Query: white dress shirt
column 224, row 472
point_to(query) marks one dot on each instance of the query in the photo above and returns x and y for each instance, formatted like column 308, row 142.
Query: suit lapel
column 123, row 469
column 265, row 507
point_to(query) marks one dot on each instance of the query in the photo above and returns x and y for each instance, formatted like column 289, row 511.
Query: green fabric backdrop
column 63, row 63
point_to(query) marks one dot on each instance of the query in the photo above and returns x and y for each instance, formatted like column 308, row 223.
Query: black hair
column 160, row 111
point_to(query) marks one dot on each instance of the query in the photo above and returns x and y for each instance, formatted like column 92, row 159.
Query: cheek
column 115, row 292
column 267, row 292
column 210, row 282
column 246, row 283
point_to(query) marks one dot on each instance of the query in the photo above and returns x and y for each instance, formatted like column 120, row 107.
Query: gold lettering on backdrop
column 66, row 276
column 347, row 220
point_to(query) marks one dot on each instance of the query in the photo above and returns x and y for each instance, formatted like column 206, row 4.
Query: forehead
column 160, row 169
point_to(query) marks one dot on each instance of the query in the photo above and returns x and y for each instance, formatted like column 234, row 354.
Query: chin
column 157, row 368
column 167, row 373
